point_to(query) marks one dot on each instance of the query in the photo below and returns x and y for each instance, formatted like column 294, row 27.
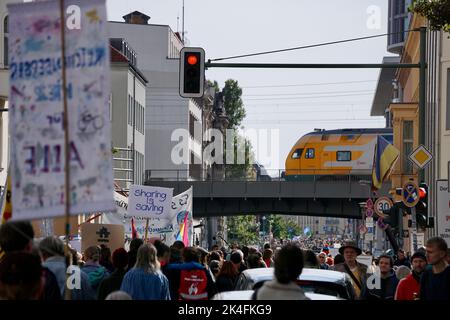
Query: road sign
column 382, row 203
column 362, row 229
column 410, row 194
column 369, row 222
column 420, row 157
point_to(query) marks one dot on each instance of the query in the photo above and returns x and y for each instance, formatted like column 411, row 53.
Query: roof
column 308, row 274
column 354, row 131
column 136, row 13
column 383, row 92
column 117, row 56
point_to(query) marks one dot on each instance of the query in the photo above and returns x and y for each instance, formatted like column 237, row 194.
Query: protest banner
column 95, row 234
column 150, row 202
column 38, row 98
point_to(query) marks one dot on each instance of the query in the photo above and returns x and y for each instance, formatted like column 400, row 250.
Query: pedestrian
column 255, row 260
column 402, row 260
column 322, row 257
column 310, row 259
column 118, row 295
column 215, row 266
column 387, row 281
column 237, row 258
column 357, row 271
column 288, row 265
column 163, row 252
column 330, row 262
column 268, row 257
column 114, row 281
column 135, row 244
column 105, row 258
column 145, row 281
column 401, row 272
column 18, row 236
column 435, row 281
column 92, row 267
column 20, row 276
column 409, row 287
column 190, row 280
column 227, row 277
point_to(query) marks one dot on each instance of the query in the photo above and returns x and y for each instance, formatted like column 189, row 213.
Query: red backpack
column 193, row 285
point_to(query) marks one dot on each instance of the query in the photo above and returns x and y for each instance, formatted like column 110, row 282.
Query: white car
column 247, row 295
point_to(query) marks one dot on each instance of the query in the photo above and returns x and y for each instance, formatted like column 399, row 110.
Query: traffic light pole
column 414, row 229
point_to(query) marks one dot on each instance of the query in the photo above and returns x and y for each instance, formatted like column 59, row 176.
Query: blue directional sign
column 410, row 194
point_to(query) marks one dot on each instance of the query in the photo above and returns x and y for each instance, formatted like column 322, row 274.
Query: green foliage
column 283, row 228
column 214, row 84
column 243, row 230
column 240, row 171
column 436, row 11
column 234, row 107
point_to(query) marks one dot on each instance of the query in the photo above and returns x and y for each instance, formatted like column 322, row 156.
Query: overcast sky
column 294, row 101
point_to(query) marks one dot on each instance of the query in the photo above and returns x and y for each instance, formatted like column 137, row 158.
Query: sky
column 291, row 101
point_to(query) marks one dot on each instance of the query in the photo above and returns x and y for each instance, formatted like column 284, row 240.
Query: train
column 334, row 152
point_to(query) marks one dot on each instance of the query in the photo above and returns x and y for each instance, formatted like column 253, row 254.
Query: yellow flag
column 7, row 201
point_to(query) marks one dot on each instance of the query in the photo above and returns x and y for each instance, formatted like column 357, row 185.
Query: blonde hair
column 146, row 258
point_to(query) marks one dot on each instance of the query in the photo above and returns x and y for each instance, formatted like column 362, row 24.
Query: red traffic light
column 192, row 59
column 422, row 193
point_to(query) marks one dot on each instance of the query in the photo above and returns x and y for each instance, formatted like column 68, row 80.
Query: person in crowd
column 448, row 256
column 323, row 261
column 215, row 266
column 135, row 244
column 310, row 259
column 255, row 260
column 330, row 262
column 215, row 255
column 18, row 236
column 105, row 258
column 227, row 277
column 401, row 272
column 163, row 252
column 435, row 281
column 92, row 267
column 266, row 246
column 145, row 280
column 190, row 280
column 237, row 258
column 357, row 271
column 402, row 260
column 288, row 265
column 114, row 281
column 339, row 258
column 409, row 287
column 21, row 276
column 268, row 257
column 118, row 295
column 215, row 247
column 388, row 281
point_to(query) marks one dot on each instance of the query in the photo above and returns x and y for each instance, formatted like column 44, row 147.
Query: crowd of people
column 153, row 270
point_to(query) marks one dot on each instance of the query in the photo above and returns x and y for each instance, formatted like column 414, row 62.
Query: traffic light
column 394, row 216
column 192, row 72
column 422, row 206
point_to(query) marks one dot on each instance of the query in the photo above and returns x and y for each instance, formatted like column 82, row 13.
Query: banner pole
column 146, row 230
column 66, row 142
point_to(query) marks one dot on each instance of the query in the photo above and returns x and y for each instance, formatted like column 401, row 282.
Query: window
column 297, row 154
column 5, row 41
column 344, row 156
column 408, row 141
column 309, row 153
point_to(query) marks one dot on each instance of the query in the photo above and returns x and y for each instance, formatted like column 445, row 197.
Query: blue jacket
column 141, row 285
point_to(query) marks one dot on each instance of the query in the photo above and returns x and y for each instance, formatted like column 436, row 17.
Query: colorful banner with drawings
column 36, row 110
column 166, row 229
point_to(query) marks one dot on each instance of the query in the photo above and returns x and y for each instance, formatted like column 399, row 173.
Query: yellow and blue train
column 334, row 152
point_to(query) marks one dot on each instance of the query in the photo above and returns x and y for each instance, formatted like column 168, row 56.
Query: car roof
column 247, row 295
column 308, row 274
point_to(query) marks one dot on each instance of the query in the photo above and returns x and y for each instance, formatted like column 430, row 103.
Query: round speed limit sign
column 382, row 204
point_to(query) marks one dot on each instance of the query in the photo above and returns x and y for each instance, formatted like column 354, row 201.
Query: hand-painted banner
column 178, row 226
column 36, row 109
column 150, row 202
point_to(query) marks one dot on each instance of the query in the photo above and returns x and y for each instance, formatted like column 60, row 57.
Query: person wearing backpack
column 190, row 280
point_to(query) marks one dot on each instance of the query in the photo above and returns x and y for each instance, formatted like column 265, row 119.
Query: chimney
column 136, row 17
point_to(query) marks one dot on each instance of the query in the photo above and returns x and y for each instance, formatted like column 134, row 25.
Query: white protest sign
column 36, row 110
column 364, row 259
column 443, row 210
column 150, row 202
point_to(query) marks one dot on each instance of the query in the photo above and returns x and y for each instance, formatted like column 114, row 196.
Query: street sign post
column 382, row 204
column 420, row 157
column 410, row 194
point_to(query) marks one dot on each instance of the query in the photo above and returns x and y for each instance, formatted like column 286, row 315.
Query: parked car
column 247, row 295
column 312, row 281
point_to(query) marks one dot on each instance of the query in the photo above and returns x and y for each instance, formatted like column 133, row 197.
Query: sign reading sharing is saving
column 149, row 202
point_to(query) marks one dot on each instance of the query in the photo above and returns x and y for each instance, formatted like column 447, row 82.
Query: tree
column 436, row 11
column 282, row 227
column 234, row 107
column 213, row 84
column 243, row 230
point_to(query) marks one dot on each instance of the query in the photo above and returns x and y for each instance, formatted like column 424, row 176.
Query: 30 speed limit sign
column 382, row 204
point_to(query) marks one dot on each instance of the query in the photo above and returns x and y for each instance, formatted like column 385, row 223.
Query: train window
column 297, row 154
column 343, row 155
column 309, row 153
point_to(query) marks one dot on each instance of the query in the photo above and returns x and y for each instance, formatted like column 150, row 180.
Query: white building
column 127, row 115
column 158, row 48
